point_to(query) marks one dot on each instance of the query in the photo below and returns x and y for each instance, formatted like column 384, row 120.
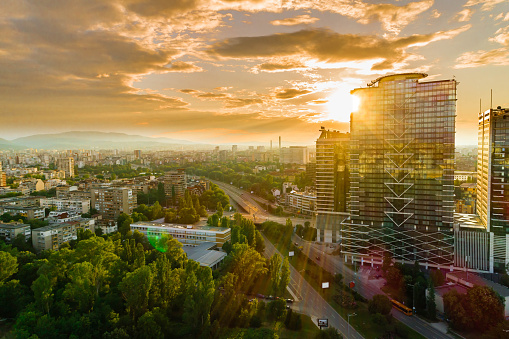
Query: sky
column 236, row 71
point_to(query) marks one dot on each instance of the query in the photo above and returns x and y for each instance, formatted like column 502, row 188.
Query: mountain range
column 91, row 139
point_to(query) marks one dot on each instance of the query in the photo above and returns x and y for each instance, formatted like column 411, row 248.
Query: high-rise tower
column 332, row 183
column 492, row 179
column 402, row 171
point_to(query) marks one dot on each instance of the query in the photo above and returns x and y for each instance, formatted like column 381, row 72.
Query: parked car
column 318, row 258
column 270, row 297
column 260, row 296
column 289, row 301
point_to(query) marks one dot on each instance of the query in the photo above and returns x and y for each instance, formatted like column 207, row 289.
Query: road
column 247, row 201
column 365, row 283
column 311, row 303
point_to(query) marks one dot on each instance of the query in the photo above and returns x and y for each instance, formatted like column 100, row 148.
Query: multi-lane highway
column 312, row 303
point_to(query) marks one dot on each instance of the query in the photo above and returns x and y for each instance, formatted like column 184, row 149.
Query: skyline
column 236, row 71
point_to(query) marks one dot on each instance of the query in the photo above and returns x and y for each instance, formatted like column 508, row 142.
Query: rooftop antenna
column 491, row 102
column 480, row 109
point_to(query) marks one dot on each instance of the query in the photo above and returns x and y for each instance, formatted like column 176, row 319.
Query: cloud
column 279, row 65
column 238, row 102
column 212, row 95
column 464, row 15
column 496, row 57
column 291, row 93
column 325, row 45
column 487, row 5
column 188, row 91
column 185, row 67
column 501, row 36
column 298, row 20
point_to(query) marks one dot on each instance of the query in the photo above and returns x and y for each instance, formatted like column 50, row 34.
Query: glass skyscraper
column 402, row 171
column 492, row 179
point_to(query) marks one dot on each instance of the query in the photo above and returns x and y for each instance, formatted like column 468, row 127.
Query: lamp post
column 350, row 315
column 413, row 298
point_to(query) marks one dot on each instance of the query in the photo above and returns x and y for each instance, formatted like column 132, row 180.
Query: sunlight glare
column 341, row 104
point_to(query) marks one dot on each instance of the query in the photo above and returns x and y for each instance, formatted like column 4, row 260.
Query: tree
column 380, row 304
column 219, row 209
column 275, row 272
column 148, row 328
column 284, row 279
column 8, row 265
column 43, row 293
column 430, row 302
column 82, row 287
column 135, row 288
column 124, row 222
column 387, row 261
column 328, row 333
column 199, row 298
column 246, row 263
column 394, row 277
column 276, row 310
column 260, row 242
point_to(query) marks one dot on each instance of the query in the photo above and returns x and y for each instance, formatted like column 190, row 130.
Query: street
column 312, row 303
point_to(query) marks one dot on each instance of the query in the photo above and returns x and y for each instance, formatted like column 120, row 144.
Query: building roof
column 181, row 226
column 470, row 280
column 468, row 185
column 470, row 221
column 13, row 225
column 204, row 254
column 441, row 290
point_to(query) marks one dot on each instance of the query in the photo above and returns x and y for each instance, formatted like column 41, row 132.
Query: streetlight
column 350, row 315
column 413, row 297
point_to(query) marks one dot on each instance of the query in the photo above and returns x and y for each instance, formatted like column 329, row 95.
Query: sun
column 341, row 103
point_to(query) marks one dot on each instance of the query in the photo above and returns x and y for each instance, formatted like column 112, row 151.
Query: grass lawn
column 309, row 330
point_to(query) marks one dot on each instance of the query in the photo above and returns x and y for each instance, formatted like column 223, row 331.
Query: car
column 287, row 307
column 289, row 301
column 269, row 297
column 296, row 244
column 318, row 258
column 378, row 276
column 260, row 296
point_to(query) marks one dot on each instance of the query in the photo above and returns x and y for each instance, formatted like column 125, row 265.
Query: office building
column 110, row 202
column 332, row 183
column 301, row 202
column 492, row 180
column 189, row 235
column 175, row 183
column 66, row 165
column 402, row 171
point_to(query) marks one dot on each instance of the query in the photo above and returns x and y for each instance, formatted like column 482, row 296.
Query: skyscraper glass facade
column 492, row 179
column 402, row 170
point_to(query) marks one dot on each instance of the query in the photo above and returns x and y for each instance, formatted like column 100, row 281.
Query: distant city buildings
column 9, row 231
column 294, row 155
column 66, row 165
column 402, row 171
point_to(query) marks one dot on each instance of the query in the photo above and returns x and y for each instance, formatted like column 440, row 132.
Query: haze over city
column 216, row 72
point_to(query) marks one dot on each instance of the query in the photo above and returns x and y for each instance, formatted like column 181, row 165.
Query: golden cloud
column 495, row 57
column 291, row 93
column 298, row 20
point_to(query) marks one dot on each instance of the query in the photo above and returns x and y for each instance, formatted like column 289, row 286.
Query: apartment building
column 175, row 182
column 110, row 202
column 9, row 231
column 53, row 236
column 79, row 205
column 66, row 165
column 302, row 202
